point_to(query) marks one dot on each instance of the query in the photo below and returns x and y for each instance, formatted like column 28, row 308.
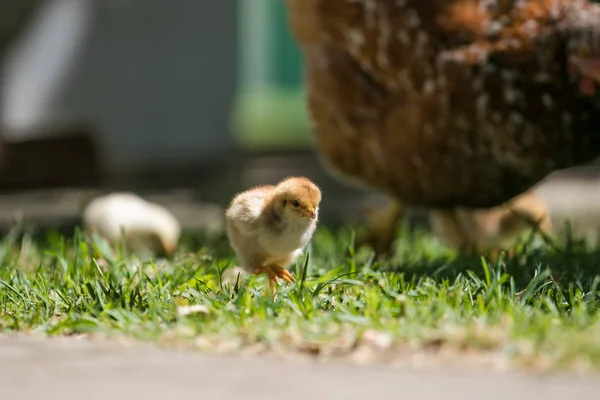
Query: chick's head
column 299, row 198
column 160, row 243
column 166, row 230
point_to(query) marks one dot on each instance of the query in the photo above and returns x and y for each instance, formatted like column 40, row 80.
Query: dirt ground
column 67, row 368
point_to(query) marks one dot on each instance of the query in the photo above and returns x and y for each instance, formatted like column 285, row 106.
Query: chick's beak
column 310, row 212
column 169, row 248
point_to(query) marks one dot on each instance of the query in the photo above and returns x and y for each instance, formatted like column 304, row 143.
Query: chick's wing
column 245, row 211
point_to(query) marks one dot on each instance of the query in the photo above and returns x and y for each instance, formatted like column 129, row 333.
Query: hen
column 451, row 103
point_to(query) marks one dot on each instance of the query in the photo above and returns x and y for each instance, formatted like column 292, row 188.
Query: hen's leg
column 382, row 228
column 445, row 225
column 452, row 230
column 274, row 272
column 495, row 253
column 587, row 69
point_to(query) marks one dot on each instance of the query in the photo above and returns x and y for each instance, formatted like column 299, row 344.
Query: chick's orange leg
column 274, row 272
column 382, row 228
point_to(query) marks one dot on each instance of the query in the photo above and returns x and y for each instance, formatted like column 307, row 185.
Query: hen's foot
column 382, row 228
column 274, row 272
column 495, row 254
column 491, row 255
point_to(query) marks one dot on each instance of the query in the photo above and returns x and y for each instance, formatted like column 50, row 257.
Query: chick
column 146, row 226
column 269, row 226
column 490, row 230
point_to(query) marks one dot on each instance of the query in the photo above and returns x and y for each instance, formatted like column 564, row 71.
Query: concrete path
column 65, row 369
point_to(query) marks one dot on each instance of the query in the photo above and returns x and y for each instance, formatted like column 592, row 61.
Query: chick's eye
column 295, row 203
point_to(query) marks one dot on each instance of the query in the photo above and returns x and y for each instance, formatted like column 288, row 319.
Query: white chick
column 145, row 226
column 269, row 226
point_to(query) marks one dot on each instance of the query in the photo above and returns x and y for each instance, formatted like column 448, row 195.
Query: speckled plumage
column 447, row 103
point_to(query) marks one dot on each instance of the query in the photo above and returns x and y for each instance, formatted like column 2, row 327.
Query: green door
column 270, row 108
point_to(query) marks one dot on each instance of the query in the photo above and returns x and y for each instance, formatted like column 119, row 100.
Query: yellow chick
column 269, row 226
column 490, row 230
column 145, row 225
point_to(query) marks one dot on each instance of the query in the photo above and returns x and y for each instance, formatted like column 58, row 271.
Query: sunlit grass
column 538, row 307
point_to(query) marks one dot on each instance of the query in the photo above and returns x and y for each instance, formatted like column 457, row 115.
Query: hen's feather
column 447, row 103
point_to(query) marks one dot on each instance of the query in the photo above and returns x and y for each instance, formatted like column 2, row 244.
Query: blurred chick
column 269, row 226
column 146, row 226
column 490, row 230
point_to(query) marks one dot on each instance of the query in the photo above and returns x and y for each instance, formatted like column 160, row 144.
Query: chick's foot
column 274, row 272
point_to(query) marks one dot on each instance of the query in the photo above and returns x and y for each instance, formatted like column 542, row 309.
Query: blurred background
column 181, row 103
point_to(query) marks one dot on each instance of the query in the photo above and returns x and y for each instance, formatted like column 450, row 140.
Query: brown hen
column 451, row 103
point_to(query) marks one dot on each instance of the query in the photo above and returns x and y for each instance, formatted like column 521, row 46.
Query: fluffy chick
column 145, row 225
column 490, row 230
column 269, row 226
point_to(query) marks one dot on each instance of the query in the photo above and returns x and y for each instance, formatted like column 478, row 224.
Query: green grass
column 539, row 308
